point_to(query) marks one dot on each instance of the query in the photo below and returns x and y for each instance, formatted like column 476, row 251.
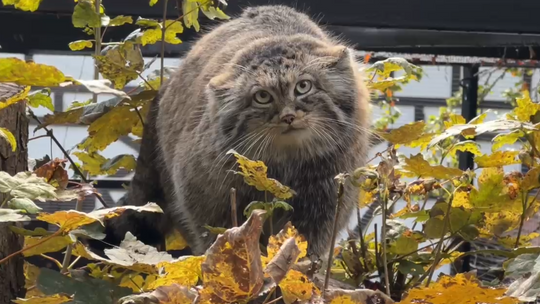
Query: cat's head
column 294, row 95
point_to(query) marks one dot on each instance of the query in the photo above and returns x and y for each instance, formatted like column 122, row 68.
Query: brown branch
column 58, row 232
column 233, row 208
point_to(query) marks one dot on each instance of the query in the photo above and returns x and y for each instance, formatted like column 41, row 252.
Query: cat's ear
column 220, row 82
column 338, row 57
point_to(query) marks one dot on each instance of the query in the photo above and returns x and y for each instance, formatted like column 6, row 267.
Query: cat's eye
column 262, row 97
column 303, row 87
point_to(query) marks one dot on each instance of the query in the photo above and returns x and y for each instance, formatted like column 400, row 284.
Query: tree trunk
column 14, row 119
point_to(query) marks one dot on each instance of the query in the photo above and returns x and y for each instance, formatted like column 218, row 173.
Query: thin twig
column 55, row 261
column 275, row 300
column 341, row 190
column 97, row 50
column 383, row 240
column 439, row 245
column 74, row 262
column 421, row 209
column 75, row 168
column 233, row 208
column 361, row 236
column 139, row 114
column 38, row 137
column 163, row 30
column 69, row 249
column 58, row 232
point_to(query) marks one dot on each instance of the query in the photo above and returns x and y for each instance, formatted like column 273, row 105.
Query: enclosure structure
column 465, row 35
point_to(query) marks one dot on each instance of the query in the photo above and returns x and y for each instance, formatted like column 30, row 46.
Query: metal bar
column 469, row 108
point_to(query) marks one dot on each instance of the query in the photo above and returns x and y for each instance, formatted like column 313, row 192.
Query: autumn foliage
column 395, row 263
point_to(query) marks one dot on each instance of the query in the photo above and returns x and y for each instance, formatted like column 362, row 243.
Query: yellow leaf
column 386, row 84
column 53, row 244
column 135, row 282
column 506, row 139
column 418, row 166
column 422, row 141
column 11, row 93
column 185, row 271
column 465, row 146
column 41, row 98
column 191, row 14
column 531, row 179
column 8, row 136
column 447, row 260
column 454, row 119
column 153, row 35
column 175, row 294
column 85, row 15
column 153, row 2
column 211, row 12
column 478, row 119
column 405, row 134
column 275, row 243
column 462, row 289
column 52, row 299
column 121, row 20
column 30, row 73
column 80, row 45
column 490, row 195
column 297, row 287
column 524, row 240
column 254, row 173
column 461, row 199
column 175, row 241
column 525, row 107
column 24, row 5
column 386, row 67
column 67, row 220
column 497, row 159
column 109, row 127
column 365, row 198
column 232, row 271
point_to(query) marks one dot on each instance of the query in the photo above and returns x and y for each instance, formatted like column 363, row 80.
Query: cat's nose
column 289, row 118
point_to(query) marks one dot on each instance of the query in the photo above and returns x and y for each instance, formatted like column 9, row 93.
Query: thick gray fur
column 207, row 108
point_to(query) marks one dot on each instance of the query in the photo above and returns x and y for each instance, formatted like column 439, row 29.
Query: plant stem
column 163, row 30
column 52, row 260
column 383, row 240
column 361, row 236
column 441, row 241
column 75, row 168
column 74, row 262
column 233, row 208
column 6, row 199
column 97, row 50
column 524, row 202
column 58, row 232
column 69, row 250
column 341, row 190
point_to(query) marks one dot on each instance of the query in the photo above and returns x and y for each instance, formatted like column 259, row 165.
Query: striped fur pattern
column 314, row 127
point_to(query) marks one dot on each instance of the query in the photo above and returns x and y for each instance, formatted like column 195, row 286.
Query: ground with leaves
column 394, row 263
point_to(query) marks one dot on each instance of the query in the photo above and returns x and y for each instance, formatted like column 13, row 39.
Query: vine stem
column 58, row 232
column 163, row 30
column 75, row 168
column 441, row 241
column 361, row 236
column 233, row 208
column 341, row 190
column 67, row 256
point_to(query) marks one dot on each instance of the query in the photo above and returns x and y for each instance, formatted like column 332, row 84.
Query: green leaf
column 215, row 230
column 84, row 289
column 84, row 14
column 38, row 246
column 11, row 215
column 404, row 245
column 147, row 22
column 121, row 20
column 420, row 216
column 417, row 166
column 80, row 45
column 282, row 205
column 254, row 206
column 410, row 268
column 37, row 232
column 459, row 218
column 121, row 63
column 41, row 98
column 433, row 228
column 25, row 204
column 8, row 136
column 466, row 146
column 153, row 35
